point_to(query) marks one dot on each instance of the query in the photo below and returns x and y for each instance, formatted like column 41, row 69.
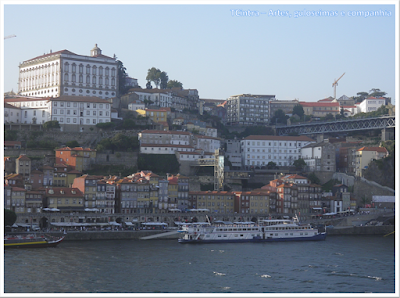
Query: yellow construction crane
column 335, row 83
column 10, row 36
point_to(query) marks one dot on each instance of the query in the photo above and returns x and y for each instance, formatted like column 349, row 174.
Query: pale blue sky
column 205, row 47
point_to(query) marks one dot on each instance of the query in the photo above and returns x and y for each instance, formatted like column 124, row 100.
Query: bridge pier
column 387, row 134
column 320, row 137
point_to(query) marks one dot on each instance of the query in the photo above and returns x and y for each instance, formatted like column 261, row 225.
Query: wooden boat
column 31, row 241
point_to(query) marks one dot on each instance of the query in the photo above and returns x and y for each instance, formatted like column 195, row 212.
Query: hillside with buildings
column 72, row 133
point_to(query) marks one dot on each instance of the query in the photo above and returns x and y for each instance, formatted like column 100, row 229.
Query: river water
column 340, row 264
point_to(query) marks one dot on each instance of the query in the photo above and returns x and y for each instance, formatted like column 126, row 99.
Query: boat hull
column 33, row 244
column 318, row 237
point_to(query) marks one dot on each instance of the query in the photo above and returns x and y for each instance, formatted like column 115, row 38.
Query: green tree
column 51, row 124
column 313, row 178
column 128, row 124
column 106, row 125
column 374, row 92
column 10, row 135
column 10, row 217
column 163, row 80
column 173, row 84
column 122, row 75
column 329, row 117
column 298, row 110
column 271, row 165
column 279, row 117
column 361, row 96
column 299, row 163
column 72, row 144
column 153, row 75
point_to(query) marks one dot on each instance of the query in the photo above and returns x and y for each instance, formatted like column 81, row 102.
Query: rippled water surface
column 340, row 264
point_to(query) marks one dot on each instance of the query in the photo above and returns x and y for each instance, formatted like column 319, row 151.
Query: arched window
column 113, row 72
column 94, row 70
column 80, row 78
column 107, row 71
column 94, row 79
column 80, row 68
column 66, row 77
column 87, row 79
column 106, row 81
column 101, row 70
column 73, row 67
column 66, row 67
column 88, row 69
column 73, row 78
column 113, row 82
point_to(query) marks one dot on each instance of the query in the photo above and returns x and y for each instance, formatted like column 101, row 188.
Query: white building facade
column 69, row 110
column 66, row 73
column 259, row 150
column 11, row 114
column 31, row 110
column 208, row 144
column 80, row 110
column 371, row 104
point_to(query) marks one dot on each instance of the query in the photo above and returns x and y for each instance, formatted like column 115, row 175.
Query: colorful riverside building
column 256, row 201
column 65, row 199
column 87, row 184
column 78, row 158
column 214, row 201
column 182, row 194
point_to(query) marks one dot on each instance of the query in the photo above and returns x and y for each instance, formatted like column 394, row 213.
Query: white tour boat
column 268, row 230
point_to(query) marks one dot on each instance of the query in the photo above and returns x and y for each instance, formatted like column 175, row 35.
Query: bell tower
column 95, row 51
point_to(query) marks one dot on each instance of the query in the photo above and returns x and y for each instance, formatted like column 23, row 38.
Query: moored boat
column 31, row 241
column 269, row 230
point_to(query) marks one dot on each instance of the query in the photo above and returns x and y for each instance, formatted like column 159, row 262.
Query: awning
column 155, row 224
column 114, row 223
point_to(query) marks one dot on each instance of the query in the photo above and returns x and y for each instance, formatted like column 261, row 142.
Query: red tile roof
column 319, row 104
column 279, row 138
column 377, row 149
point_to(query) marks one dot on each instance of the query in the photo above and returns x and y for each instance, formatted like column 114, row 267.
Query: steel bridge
column 337, row 126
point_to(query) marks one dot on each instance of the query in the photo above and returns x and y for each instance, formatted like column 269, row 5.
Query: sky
column 290, row 51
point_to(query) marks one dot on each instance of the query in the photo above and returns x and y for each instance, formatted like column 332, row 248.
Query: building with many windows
column 258, row 150
column 248, row 109
column 66, row 73
column 371, row 104
column 77, row 111
column 321, row 108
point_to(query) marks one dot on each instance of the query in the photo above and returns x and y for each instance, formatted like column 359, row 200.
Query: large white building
column 69, row 110
column 259, row 150
column 66, row 73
